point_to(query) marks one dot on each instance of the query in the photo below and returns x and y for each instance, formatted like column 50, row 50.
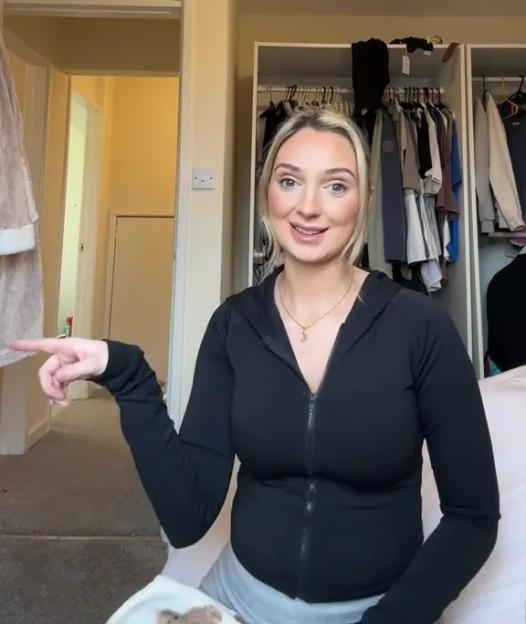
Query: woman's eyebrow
column 340, row 170
column 287, row 166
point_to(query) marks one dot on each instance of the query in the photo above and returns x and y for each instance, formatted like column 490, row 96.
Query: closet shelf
column 498, row 59
column 332, row 64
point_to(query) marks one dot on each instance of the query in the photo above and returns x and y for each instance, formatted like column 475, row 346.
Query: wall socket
column 203, row 178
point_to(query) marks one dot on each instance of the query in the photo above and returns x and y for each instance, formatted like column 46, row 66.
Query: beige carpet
column 78, row 480
column 78, row 581
column 77, row 533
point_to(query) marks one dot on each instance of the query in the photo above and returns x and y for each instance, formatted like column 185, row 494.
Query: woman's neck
column 313, row 288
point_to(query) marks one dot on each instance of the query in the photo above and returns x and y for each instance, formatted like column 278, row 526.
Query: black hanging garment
column 506, row 308
column 414, row 43
column 370, row 76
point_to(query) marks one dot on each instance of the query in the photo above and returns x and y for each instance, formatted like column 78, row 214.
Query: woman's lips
column 309, row 235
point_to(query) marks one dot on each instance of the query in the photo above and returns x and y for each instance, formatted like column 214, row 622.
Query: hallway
column 77, row 533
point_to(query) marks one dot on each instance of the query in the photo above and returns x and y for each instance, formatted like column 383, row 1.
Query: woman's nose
column 309, row 206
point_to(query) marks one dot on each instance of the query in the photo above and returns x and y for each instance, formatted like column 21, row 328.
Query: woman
column 324, row 380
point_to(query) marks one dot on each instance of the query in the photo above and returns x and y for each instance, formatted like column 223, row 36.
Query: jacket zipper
column 309, row 460
column 311, row 491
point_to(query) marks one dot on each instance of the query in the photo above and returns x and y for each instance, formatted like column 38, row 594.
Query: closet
column 496, row 69
column 325, row 71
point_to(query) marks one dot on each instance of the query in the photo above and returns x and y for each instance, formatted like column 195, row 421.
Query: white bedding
column 497, row 595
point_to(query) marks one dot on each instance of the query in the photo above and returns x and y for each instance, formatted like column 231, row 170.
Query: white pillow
column 497, row 595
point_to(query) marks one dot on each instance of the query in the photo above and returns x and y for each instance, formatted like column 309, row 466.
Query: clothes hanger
column 519, row 97
column 519, row 93
column 514, row 101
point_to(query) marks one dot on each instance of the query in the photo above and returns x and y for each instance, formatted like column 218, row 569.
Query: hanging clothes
column 417, row 250
column 18, row 214
column 420, row 175
column 408, row 159
column 21, row 303
column 370, row 77
column 486, row 208
column 375, row 238
column 393, row 210
column 433, row 176
column 506, row 301
column 452, row 246
column 515, row 128
column 501, row 174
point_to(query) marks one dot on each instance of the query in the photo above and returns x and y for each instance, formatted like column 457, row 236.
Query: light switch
column 203, row 178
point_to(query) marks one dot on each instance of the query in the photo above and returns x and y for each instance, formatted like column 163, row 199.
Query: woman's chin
column 313, row 257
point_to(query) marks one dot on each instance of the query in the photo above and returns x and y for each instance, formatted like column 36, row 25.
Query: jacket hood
column 257, row 306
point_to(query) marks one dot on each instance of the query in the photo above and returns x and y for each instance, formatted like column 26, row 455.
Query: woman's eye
column 287, row 183
column 338, row 188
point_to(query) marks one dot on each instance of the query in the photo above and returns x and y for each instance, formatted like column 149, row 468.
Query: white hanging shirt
column 501, row 176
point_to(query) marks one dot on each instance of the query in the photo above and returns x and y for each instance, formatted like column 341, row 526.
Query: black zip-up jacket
column 328, row 504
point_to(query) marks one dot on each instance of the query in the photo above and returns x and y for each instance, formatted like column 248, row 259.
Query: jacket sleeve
column 455, row 428
column 186, row 475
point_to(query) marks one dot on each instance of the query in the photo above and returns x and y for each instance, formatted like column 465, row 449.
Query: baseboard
column 37, row 432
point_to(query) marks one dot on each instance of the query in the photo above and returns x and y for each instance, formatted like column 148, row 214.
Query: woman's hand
column 71, row 359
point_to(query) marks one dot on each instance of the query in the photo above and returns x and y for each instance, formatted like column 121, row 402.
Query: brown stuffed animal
column 200, row 615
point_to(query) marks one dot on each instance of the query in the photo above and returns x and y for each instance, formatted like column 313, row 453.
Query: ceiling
column 480, row 8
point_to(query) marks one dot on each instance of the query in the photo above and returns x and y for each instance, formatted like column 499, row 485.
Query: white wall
column 203, row 246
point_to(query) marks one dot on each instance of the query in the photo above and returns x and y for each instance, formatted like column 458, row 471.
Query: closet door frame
column 476, row 273
column 476, row 302
column 454, row 76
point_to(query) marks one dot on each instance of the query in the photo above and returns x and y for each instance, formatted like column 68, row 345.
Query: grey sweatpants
column 258, row 603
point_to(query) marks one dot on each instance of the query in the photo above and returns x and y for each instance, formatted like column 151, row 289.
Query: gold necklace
column 305, row 328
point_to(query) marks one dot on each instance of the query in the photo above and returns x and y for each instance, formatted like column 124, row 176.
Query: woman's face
column 313, row 199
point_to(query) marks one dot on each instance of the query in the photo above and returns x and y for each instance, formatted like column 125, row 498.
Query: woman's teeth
column 307, row 232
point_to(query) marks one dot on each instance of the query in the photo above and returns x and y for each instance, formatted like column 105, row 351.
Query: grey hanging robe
column 21, row 296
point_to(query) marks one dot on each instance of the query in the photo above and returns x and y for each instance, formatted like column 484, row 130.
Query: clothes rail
column 497, row 79
column 303, row 88
column 262, row 88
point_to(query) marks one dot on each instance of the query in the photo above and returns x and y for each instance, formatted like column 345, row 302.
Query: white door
column 141, row 286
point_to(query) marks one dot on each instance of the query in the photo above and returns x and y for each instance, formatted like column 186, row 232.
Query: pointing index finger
column 45, row 345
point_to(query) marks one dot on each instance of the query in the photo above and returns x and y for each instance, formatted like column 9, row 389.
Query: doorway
column 111, row 153
column 73, row 211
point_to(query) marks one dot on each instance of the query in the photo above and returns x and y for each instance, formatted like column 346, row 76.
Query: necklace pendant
column 303, row 336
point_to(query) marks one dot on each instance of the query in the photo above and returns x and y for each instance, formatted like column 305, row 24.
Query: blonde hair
column 322, row 121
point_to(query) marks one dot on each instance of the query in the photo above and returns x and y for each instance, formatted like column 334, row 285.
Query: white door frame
column 182, row 211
